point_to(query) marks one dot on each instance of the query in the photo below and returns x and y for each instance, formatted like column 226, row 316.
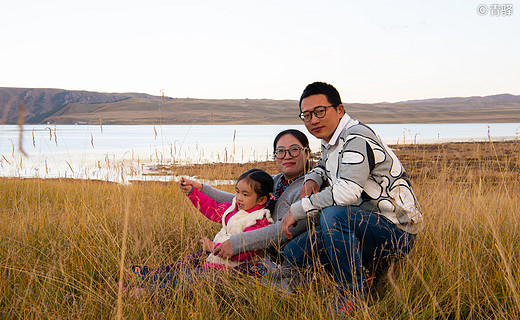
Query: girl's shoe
column 140, row 271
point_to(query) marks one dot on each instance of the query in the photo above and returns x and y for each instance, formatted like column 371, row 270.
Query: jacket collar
column 345, row 122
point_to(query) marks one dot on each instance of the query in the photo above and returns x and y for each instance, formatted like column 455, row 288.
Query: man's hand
column 207, row 244
column 309, row 187
column 287, row 222
column 224, row 250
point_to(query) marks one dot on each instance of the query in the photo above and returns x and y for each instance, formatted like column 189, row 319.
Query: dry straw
column 63, row 244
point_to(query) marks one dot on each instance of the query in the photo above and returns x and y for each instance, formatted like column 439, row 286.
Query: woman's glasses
column 294, row 151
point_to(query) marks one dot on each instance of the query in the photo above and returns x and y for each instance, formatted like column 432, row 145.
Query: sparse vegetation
column 62, row 243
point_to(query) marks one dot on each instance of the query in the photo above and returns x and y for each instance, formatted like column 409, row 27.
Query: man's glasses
column 294, row 151
column 319, row 112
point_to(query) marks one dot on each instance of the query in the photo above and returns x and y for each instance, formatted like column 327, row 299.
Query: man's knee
column 332, row 216
column 289, row 251
column 295, row 252
column 303, row 248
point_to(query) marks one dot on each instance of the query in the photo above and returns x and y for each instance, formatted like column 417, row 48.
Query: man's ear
column 341, row 110
column 261, row 201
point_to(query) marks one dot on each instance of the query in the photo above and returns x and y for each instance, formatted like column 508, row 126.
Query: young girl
column 248, row 211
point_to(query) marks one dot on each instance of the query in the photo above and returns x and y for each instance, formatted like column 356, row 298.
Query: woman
column 291, row 152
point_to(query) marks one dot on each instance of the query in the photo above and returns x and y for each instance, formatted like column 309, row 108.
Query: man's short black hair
column 322, row 88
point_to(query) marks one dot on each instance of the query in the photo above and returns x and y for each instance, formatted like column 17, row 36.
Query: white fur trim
column 236, row 224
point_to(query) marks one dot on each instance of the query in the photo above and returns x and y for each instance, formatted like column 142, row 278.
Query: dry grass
column 61, row 244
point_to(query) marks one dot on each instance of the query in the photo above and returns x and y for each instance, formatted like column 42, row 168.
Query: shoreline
column 410, row 155
column 414, row 157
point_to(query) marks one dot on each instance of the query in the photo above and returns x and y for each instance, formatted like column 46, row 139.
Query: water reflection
column 124, row 153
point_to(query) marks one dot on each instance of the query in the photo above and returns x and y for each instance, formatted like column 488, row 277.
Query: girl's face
column 246, row 196
column 290, row 166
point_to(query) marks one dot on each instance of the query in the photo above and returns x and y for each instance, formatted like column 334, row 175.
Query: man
column 368, row 214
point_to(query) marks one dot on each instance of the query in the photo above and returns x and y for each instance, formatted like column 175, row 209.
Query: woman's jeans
column 347, row 240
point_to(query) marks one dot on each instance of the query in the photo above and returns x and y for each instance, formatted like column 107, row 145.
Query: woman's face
column 290, row 166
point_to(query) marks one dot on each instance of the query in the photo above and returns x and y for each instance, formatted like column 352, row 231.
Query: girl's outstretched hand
column 187, row 185
column 207, row 244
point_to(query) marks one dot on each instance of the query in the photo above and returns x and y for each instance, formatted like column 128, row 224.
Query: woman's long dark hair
column 262, row 183
column 301, row 137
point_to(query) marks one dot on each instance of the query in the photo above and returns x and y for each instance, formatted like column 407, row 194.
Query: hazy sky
column 371, row 51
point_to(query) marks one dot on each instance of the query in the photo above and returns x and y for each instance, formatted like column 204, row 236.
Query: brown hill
column 39, row 104
column 67, row 107
column 181, row 111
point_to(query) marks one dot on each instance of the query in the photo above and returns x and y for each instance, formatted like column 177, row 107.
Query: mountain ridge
column 60, row 106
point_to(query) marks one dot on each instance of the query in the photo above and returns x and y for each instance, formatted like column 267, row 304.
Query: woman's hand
column 224, row 250
column 207, row 244
column 287, row 222
column 187, row 185
column 309, row 187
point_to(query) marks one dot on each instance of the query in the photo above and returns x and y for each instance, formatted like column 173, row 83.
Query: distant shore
column 416, row 158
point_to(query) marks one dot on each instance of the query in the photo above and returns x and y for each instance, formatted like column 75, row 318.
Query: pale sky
column 371, row 51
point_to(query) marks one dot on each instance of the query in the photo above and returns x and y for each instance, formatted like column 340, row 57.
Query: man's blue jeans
column 349, row 239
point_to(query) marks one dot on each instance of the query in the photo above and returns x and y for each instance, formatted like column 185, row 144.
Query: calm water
column 125, row 152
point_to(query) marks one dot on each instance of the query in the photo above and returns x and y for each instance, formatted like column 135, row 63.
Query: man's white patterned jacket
column 362, row 171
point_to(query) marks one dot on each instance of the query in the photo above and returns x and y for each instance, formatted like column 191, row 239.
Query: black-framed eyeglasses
column 294, row 151
column 319, row 112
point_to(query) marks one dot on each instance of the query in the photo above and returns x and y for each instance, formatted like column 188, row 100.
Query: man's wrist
column 297, row 210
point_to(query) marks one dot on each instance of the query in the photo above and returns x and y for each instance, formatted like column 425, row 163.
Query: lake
column 120, row 153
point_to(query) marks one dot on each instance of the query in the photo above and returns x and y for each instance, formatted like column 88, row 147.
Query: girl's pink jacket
column 214, row 211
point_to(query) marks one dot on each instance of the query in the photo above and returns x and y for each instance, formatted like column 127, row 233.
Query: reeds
column 62, row 243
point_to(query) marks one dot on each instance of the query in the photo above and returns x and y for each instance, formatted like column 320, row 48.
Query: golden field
column 64, row 242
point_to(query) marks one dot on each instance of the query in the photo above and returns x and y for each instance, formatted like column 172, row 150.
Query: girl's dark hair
column 301, row 137
column 262, row 183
